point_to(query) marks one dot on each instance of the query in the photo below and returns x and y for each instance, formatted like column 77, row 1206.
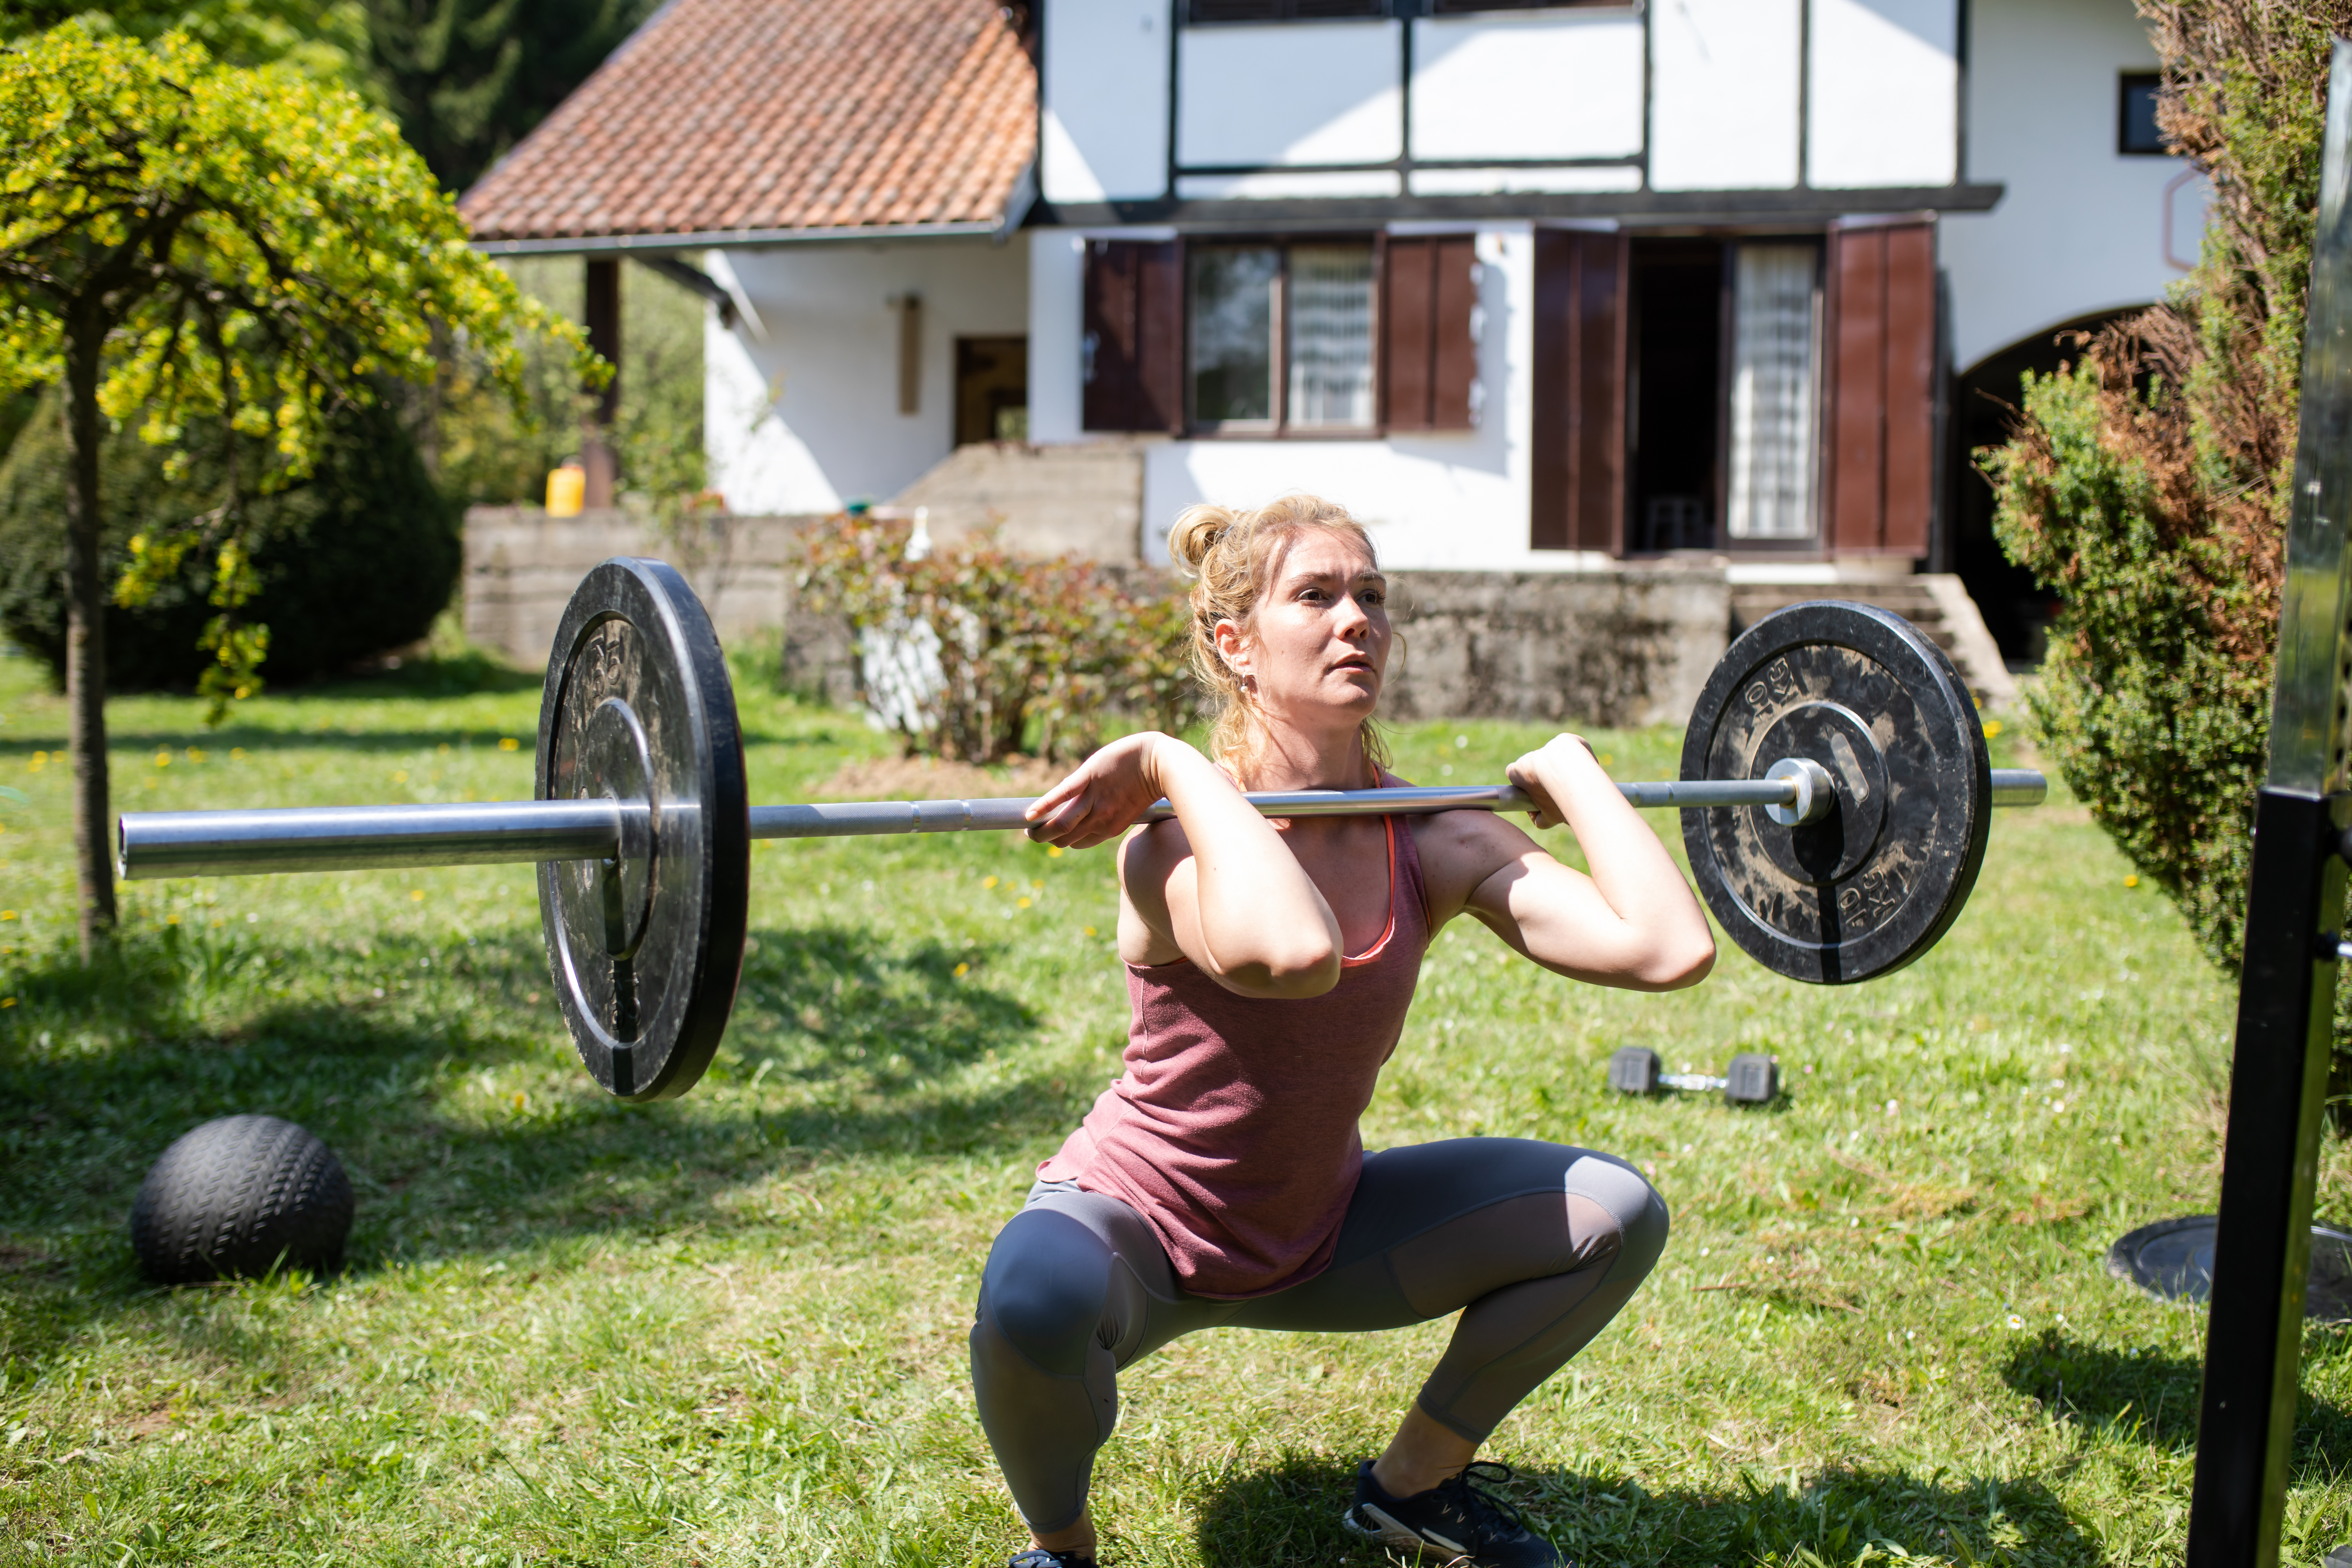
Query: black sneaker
column 1038, row 1557
column 1458, row 1518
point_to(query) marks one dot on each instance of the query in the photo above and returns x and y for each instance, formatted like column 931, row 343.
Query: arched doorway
column 2015, row 610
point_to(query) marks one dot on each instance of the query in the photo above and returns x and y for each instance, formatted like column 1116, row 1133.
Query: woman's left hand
column 1552, row 772
column 1102, row 796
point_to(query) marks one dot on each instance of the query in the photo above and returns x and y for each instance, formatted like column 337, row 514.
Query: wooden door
column 1578, row 499
column 1879, row 461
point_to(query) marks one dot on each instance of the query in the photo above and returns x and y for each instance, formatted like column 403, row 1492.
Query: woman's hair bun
column 1196, row 533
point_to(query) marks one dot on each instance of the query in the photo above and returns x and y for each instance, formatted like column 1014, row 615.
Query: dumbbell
column 1753, row 1077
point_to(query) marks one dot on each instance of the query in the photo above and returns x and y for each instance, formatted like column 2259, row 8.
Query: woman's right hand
column 1103, row 795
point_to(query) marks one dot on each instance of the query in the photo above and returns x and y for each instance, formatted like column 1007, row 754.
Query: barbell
column 1846, row 734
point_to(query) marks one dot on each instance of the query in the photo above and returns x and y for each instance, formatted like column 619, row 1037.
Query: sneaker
column 1038, row 1557
column 1457, row 1518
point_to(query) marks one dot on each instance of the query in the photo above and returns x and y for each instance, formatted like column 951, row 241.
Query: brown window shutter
column 1579, row 481
column 1134, row 343
column 1881, row 462
column 1429, row 359
column 1454, row 362
column 1406, row 328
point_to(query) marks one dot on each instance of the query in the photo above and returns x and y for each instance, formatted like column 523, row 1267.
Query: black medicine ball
column 237, row 1195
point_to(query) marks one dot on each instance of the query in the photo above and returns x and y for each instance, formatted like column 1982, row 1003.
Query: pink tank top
column 1233, row 1130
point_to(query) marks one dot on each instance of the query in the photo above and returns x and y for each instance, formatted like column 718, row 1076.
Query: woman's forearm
column 1260, row 925
column 1661, row 935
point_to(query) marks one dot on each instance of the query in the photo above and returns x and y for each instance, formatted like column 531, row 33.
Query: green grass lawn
column 729, row 1329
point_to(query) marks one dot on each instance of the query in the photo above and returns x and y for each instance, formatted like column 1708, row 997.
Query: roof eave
column 740, row 239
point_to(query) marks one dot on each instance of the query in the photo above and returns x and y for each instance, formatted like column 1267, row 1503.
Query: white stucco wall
column 1452, row 500
column 2082, row 227
column 1105, row 126
column 1722, row 94
column 807, row 417
column 1556, row 85
column 1883, row 92
column 1324, row 92
column 1057, row 282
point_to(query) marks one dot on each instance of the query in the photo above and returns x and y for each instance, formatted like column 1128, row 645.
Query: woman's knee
column 1046, row 1290
column 1632, row 1205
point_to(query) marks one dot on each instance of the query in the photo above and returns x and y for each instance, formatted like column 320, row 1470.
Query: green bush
column 358, row 559
column 975, row 654
column 2148, row 484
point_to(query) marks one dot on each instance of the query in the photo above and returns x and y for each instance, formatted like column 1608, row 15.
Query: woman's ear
column 1233, row 647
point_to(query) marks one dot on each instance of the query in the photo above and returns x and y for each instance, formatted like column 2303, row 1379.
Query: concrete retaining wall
column 1607, row 648
column 1596, row 648
column 521, row 566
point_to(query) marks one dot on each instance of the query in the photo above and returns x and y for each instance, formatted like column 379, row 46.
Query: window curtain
column 1775, row 315
column 1330, row 335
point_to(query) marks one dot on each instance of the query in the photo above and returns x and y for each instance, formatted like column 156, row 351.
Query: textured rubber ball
column 237, row 1197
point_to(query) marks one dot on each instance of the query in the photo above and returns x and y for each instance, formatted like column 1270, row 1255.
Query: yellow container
column 565, row 488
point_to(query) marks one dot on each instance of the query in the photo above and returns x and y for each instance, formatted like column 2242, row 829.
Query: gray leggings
column 1077, row 1287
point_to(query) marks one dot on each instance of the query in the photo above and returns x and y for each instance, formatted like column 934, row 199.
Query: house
column 1706, row 284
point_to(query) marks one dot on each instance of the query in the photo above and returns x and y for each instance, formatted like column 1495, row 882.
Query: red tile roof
column 733, row 118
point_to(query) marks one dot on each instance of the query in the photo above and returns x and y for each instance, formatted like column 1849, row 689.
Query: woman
column 1220, row 1180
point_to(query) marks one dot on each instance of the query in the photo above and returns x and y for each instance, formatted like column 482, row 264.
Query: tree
column 2149, row 484
column 327, row 38
column 468, row 78
column 184, row 240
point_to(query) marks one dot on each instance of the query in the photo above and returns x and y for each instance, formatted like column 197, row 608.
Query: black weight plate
column 2173, row 1261
column 645, row 949
column 1870, row 887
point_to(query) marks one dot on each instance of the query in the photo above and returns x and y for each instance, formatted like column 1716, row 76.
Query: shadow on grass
column 2149, row 1396
column 1289, row 1512
column 843, row 1044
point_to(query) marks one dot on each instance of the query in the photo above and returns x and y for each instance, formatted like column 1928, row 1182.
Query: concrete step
column 1935, row 602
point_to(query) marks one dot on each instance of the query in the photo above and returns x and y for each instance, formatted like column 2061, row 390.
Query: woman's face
column 1319, row 642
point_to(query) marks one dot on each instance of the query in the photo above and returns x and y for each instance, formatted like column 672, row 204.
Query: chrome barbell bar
column 158, row 844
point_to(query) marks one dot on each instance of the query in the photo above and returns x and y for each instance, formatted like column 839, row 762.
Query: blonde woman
column 1220, row 1181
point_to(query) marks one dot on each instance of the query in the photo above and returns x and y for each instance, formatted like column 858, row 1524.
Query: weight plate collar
column 1872, row 886
column 645, row 949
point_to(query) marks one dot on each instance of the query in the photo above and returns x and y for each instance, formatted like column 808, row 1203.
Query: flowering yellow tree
column 249, row 247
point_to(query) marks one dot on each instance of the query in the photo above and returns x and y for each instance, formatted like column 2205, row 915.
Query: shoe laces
column 1488, row 1515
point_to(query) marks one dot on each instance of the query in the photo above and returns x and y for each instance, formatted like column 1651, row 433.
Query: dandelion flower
column 508, row 743
column 1992, row 728
column 1053, row 852
column 1022, row 902
column 1090, row 930
column 962, row 970
column 2131, row 882
column 1035, row 883
column 988, row 881
column 163, row 759
column 415, row 895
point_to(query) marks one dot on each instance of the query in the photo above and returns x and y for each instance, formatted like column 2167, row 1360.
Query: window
column 1466, row 7
column 1330, row 335
column 1776, row 328
column 1280, row 337
column 2136, row 131
column 1724, row 395
column 1282, row 10
column 1233, row 334
column 1272, row 337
